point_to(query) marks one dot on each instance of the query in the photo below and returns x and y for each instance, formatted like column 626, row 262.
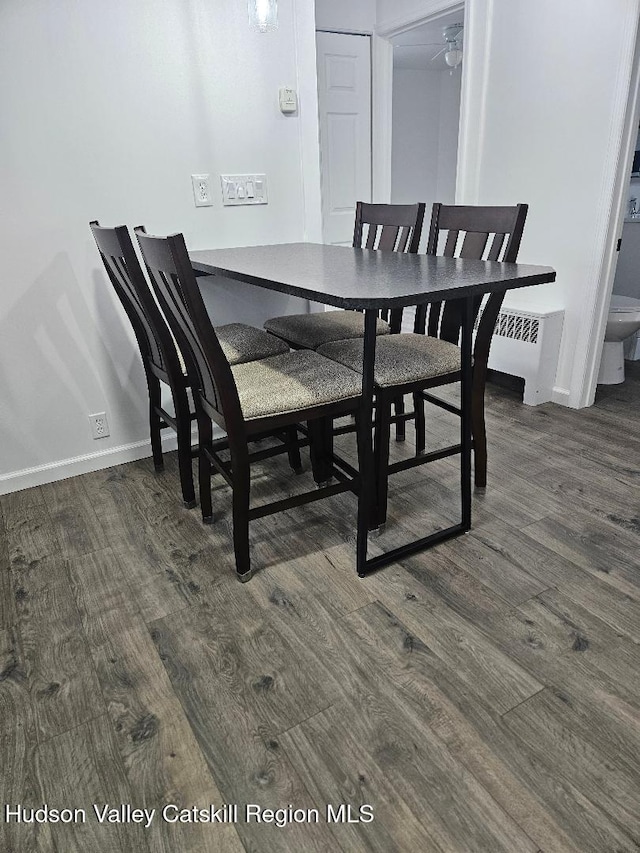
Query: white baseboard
column 52, row 471
column 85, row 464
column 560, row 396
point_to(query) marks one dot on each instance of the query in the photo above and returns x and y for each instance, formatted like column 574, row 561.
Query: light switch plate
column 244, row 189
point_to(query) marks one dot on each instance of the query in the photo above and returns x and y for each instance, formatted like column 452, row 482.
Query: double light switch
column 244, row 189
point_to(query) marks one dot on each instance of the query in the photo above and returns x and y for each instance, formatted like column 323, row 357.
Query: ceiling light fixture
column 452, row 49
column 263, row 15
column 453, row 57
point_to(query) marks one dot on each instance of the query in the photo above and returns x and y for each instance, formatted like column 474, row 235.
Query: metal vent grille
column 520, row 327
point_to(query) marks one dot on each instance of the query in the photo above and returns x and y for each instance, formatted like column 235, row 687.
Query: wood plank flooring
column 483, row 697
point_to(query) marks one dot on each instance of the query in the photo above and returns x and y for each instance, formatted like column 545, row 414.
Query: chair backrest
column 157, row 347
column 391, row 227
column 177, row 291
column 468, row 232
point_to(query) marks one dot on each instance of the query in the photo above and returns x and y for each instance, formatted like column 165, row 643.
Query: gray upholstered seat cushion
column 242, row 343
column 292, row 382
column 313, row 330
column 399, row 358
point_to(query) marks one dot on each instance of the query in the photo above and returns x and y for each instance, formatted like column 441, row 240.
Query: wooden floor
column 483, row 696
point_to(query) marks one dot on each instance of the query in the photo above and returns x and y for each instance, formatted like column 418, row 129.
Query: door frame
column 627, row 104
column 382, row 92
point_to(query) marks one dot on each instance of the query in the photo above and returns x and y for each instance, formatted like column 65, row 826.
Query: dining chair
column 429, row 357
column 384, row 227
column 505, row 226
column 247, row 400
column 161, row 359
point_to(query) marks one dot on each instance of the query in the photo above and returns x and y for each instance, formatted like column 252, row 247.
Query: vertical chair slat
column 451, row 322
column 474, row 244
column 395, row 320
column 405, row 233
column 371, row 237
column 435, row 311
column 388, row 238
column 450, row 246
column 420, row 319
column 496, row 247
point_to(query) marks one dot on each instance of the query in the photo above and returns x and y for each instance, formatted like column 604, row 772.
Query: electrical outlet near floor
column 99, row 425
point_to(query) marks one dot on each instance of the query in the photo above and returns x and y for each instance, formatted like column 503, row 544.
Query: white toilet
column 622, row 322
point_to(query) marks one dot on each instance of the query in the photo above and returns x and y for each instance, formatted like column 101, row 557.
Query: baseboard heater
column 527, row 344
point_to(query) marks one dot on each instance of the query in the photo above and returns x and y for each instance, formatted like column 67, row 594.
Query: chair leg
column 479, row 432
column 293, row 449
column 401, row 432
column 327, row 446
column 418, row 407
column 320, row 448
column 241, row 497
column 204, row 469
column 381, row 458
column 153, row 384
column 183, row 424
column 365, row 509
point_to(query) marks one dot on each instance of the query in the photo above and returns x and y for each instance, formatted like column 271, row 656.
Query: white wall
column 426, row 110
column 346, row 15
column 107, row 108
column 543, row 125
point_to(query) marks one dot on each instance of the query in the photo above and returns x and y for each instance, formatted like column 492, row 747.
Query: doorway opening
column 617, row 329
column 622, row 336
column 427, row 75
column 605, row 374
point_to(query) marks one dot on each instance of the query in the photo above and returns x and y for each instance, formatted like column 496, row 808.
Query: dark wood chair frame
column 216, row 401
column 507, row 225
column 400, row 224
column 445, row 320
column 160, row 358
column 157, row 349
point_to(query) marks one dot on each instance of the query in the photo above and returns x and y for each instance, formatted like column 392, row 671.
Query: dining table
column 374, row 281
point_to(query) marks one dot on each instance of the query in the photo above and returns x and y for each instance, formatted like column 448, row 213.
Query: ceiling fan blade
column 421, row 44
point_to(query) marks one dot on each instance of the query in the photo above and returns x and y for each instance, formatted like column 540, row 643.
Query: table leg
column 465, row 420
column 365, row 443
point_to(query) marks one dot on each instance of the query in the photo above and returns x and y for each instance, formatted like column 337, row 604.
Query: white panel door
column 344, row 103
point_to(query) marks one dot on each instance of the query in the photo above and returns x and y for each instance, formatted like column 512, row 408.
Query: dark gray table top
column 362, row 278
